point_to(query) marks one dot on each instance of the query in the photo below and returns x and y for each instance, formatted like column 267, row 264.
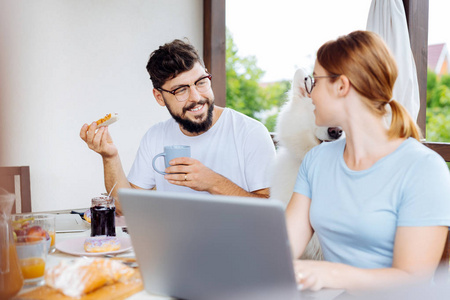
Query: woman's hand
column 417, row 252
column 314, row 275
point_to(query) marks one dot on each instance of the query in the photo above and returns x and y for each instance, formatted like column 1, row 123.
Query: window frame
column 214, row 48
column 417, row 19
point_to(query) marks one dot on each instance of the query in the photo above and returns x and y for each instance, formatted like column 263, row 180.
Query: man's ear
column 343, row 86
column 159, row 98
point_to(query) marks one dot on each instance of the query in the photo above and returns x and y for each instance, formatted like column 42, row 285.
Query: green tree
column 438, row 108
column 431, row 85
column 445, row 80
column 244, row 91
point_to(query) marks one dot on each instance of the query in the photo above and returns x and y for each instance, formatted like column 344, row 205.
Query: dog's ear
column 343, row 86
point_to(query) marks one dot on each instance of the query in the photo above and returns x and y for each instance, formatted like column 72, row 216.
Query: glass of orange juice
column 32, row 252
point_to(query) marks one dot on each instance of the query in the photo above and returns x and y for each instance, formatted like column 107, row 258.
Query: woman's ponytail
column 402, row 125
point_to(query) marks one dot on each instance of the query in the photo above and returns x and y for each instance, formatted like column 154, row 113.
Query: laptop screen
column 205, row 246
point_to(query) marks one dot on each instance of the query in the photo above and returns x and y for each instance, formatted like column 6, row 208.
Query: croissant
column 84, row 275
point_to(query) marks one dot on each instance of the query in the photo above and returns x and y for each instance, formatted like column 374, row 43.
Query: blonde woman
column 378, row 200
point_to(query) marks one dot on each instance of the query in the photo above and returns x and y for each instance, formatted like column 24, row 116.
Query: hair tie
column 390, row 101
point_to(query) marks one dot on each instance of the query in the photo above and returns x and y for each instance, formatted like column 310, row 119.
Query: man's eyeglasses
column 182, row 93
column 310, row 81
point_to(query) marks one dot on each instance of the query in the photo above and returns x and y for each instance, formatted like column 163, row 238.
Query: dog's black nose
column 334, row 132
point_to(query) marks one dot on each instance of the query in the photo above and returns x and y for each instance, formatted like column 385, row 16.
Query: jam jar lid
column 102, row 201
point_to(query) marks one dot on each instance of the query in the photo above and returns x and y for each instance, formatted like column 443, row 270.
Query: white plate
column 76, row 247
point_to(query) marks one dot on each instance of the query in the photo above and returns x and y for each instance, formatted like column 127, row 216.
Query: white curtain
column 388, row 19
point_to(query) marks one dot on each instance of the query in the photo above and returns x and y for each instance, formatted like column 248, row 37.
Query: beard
column 190, row 126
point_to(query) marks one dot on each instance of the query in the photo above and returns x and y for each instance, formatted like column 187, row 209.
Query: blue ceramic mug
column 171, row 152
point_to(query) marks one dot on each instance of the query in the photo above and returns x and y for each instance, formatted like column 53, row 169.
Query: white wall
column 69, row 62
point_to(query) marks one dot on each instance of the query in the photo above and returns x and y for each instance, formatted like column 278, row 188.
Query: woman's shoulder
column 413, row 149
column 420, row 158
column 326, row 150
column 329, row 147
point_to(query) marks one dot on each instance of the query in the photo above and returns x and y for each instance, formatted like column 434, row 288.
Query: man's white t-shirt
column 236, row 147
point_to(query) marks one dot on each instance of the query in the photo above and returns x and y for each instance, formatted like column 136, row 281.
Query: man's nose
column 193, row 93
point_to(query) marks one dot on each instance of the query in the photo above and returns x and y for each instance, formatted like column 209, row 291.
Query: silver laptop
column 70, row 223
column 192, row 246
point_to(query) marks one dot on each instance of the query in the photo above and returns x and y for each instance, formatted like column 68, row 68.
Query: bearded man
column 230, row 153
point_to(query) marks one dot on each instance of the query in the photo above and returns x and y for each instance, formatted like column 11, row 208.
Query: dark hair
column 365, row 59
column 170, row 60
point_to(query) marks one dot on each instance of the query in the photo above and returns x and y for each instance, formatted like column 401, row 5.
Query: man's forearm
column 226, row 187
column 114, row 178
column 191, row 173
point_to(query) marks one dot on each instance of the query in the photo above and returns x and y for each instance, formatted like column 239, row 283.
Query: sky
column 285, row 34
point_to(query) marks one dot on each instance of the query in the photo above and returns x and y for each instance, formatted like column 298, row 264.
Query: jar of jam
column 103, row 213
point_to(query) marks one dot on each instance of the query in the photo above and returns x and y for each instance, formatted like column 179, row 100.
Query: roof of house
column 436, row 56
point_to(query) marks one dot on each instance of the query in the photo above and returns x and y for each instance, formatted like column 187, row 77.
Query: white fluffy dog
column 296, row 133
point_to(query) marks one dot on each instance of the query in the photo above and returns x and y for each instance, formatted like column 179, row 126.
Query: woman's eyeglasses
column 310, row 81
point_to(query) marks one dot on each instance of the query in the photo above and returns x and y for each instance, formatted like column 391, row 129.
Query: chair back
column 16, row 180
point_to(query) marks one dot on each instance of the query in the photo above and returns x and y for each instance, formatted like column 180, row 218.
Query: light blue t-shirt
column 356, row 213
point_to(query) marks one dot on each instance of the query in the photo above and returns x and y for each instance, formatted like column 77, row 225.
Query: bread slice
column 108, row 119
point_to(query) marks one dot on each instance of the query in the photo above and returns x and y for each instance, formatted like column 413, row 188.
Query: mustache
column 191, row 106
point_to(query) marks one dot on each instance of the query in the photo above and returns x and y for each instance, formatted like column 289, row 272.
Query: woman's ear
column 159, row 98
column 343, row 86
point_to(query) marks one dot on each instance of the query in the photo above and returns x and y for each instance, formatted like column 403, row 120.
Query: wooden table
column 55, row 258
